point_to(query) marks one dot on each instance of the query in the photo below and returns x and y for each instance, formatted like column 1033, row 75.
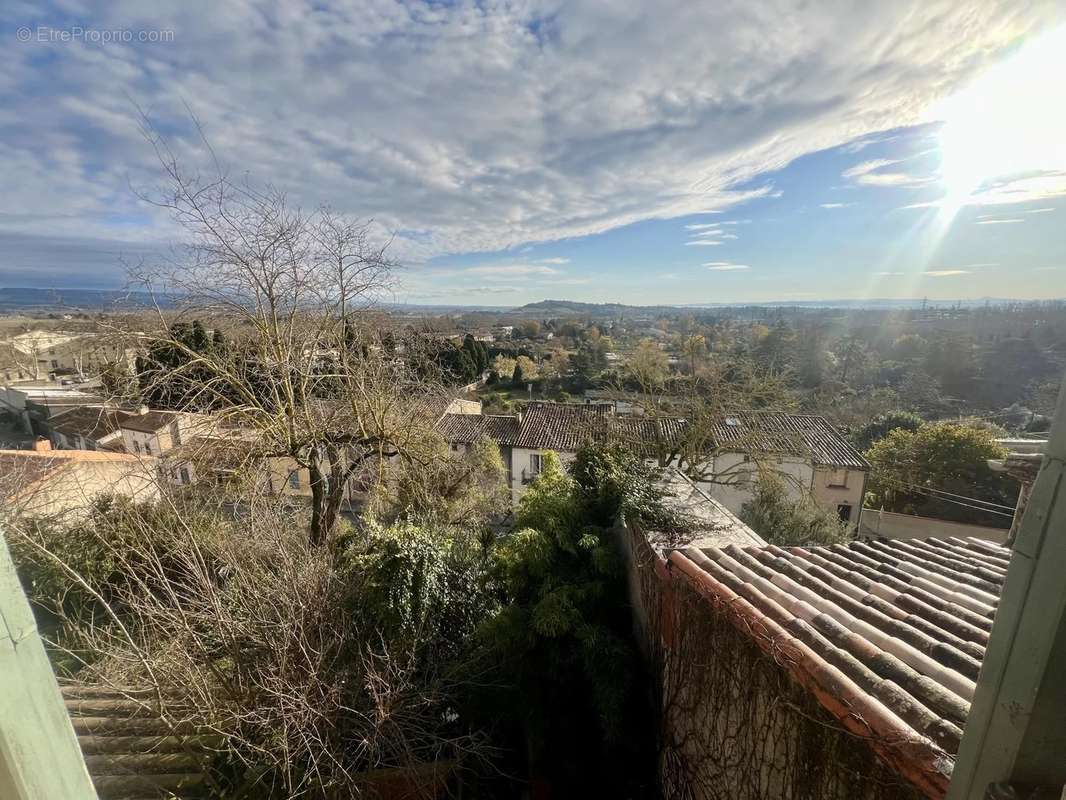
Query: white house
column 811, row 456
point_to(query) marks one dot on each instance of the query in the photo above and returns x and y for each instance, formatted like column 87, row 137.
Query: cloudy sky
column 659, row 152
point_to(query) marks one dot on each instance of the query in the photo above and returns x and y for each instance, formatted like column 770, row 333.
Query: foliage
column 563, row 639
column 419, row 585
column 783, row 520
column 883, row 424
column 312, row 665
column 467, row 488
column 941, row 470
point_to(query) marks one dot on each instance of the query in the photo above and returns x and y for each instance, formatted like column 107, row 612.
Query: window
column 294, row 479
column 536, row 463
column 838, row 478
column 147, row 448
column 184, row 475
column 175, row 433
column 136, row 446
column 455, row 447
column 844, row 512
column 55, row 364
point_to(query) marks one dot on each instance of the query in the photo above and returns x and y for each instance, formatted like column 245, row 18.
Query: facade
column 38, row 354
column 161, row 434
column 46, row 483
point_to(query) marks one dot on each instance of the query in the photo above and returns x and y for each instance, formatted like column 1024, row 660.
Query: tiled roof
column 795, row 434
column 91, row 422
column 557, row 426
column 150, row 422
column 889, row 635
column 469, row 428
column 565, row 427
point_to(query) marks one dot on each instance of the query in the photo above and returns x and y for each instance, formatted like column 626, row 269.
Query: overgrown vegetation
column 784, row 520
column 413, row 636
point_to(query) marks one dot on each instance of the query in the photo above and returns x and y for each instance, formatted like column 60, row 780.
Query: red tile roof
column 889, row 635
column 469, row 428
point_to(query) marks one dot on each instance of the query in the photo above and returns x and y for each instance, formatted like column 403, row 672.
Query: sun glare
column 1010, row 121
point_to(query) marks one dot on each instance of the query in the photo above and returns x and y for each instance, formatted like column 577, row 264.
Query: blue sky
column 640, row 153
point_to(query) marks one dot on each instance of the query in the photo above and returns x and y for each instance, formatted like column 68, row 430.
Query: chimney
column 42, row 445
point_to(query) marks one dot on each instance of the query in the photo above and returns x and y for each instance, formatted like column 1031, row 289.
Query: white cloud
column 945, row 273
column 725, row 266
column 471, row 126
column 704, row 226
column 836, row 205
column 702, row 243
column 870, row 173
column 1002, row 221
column 553, row 261
column 1040, row 210
column 511, row 270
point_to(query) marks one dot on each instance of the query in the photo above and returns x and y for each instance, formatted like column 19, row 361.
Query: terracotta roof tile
column 906, row 623
column 796, row 434
column 566, row 427
column 470, row 428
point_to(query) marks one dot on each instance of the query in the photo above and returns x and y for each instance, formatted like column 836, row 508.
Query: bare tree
column 304, row 368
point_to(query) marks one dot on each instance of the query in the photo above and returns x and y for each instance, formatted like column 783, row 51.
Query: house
column 843, row 672
column 39, row 353
column 89, row 427
column 64, row 483
column 33, row 403
column 161, row 434
column 462, row 431
column 806, row 451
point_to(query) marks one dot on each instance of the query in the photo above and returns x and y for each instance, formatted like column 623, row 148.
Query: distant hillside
column 68, row 300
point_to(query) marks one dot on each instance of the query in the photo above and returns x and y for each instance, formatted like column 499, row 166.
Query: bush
column 782, row 520
column 882, row 425
column 568, row 666
column 313, row 665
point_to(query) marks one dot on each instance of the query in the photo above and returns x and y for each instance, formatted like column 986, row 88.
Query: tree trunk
column 319, row 524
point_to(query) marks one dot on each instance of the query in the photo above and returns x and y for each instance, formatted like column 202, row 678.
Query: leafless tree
column 305, row 369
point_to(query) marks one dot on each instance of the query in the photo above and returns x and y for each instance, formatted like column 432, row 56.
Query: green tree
column 783, row 520
column 941, row 470
column 563, row 639
column 882, row 425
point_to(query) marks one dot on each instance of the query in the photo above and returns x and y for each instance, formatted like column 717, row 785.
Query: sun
column 1010, row 121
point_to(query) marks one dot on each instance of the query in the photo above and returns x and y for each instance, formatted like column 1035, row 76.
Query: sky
column 668, row 152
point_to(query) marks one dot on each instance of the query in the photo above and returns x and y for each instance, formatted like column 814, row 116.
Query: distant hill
column 71, row 300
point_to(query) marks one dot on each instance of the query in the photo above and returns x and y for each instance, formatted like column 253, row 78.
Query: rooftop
column 797, row 434
column 91, row 422
column 149, row 422
column 889, row 636
column 565, row 427
column 470, row 428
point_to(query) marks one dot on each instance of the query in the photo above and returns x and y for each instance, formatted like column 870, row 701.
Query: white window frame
column 536, row 463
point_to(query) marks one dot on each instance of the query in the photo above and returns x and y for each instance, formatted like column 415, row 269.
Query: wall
column 70, row 491
column 732, row 723
column 890, row 525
